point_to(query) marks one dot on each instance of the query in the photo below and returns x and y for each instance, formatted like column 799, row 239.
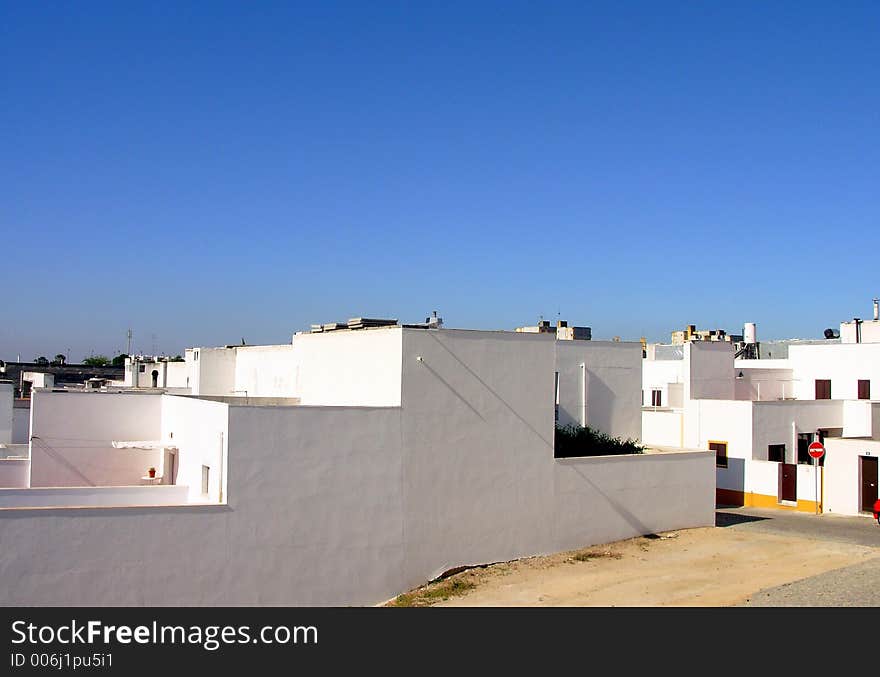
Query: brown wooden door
column 787, row 482
column 868, row 477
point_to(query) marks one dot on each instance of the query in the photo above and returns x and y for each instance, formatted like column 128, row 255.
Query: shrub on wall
column 574, row 440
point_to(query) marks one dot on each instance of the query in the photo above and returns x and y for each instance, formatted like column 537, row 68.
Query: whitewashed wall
column 200, row 431
column 626, row 496
column 480, row 431
column 175, row 375
column 842, row 481
column 21, row 422
column 869, row 332
column 657, row 375
column 14, row 472
column 719, row 421
column 6, row 415
column 610, row 398
column 349, row 506
column 349, row 368
column 807, row 489
column 764, row 384
column 73, row 434
column 843, row 364
column 212, row 371
column 663, row 428
column 266, row 371
column 777, row 423
column 91, row 497
column 762, row 477
column 858, row 418
column 708, row 370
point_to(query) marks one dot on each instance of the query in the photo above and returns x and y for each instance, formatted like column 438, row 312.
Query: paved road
column 857, row 585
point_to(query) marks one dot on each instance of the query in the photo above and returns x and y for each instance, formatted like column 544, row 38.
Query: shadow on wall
column 486, row 386
column 730, row 483
column 600, row 402
column 617, row 506
column 59, row 458
column 453, row 391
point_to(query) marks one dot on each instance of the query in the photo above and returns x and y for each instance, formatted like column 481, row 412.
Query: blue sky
column 207, row 172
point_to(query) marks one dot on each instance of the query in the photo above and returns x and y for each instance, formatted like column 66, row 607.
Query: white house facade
column 760, row 417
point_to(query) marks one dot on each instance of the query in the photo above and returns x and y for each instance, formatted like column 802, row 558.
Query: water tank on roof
column 750, row 333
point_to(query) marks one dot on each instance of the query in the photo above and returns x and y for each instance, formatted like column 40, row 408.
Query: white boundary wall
column 663, row 428
column 842, row 482
column 350, row 368
column 353, row 505
column 92, row 497
column 73, row 434
column 14, row 472
column 604, row 393
column 266, row 371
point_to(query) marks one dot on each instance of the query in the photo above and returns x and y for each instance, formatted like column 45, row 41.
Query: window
column 720, row 449
column 196, row 356
column 656, row 398
column 823, row 389
column 864, row 389
column 776, row 453
column 804, row 440
column 142, row 369
column 206, row 472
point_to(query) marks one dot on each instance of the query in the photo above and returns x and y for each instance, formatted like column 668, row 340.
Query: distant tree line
column 93, row 360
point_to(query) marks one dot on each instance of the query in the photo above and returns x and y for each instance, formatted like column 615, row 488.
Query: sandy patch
column 694, row 567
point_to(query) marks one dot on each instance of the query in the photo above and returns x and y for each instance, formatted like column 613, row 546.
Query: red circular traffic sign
column 816, row 449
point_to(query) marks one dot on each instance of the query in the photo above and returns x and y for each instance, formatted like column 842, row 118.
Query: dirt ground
column 694, row 567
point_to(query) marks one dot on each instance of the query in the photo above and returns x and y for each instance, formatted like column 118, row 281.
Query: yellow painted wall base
column 748, row 499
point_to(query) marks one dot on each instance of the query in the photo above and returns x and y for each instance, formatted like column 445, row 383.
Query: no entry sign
column 816, row 449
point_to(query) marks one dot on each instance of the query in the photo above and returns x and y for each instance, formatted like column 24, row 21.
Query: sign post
column 817, row 451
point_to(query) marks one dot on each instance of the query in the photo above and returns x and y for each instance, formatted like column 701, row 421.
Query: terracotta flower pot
column 152, row 472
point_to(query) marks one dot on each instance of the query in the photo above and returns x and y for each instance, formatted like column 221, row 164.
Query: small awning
column 142, row 444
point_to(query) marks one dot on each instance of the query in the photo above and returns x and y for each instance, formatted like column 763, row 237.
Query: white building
column 146, row 371
column 342, row 469
column 761, row 415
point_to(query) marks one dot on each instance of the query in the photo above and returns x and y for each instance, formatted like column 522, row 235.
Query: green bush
column 574, row 440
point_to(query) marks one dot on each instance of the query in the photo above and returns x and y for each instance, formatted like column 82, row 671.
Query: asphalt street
column 853, row 586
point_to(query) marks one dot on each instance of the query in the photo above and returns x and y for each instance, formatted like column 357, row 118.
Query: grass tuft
column 434, row 592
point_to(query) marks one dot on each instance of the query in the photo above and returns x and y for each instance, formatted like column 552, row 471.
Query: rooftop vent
column 433, row 322
column 366, row 323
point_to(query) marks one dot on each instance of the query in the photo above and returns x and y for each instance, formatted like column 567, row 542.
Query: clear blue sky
column 203, row 172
